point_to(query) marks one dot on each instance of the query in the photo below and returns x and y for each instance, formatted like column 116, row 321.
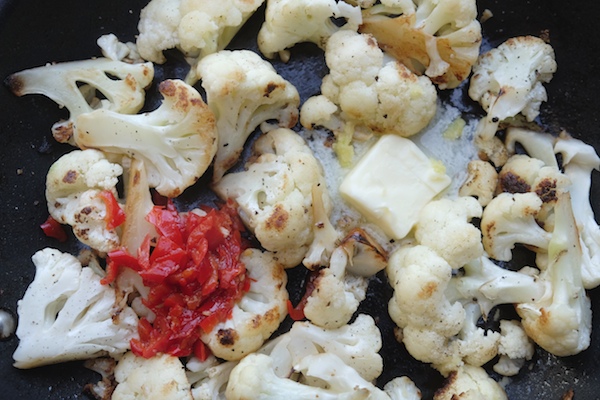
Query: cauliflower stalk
column 438, row 38
column 74, row 192
column 67, row 301
column 561, row 321
column 288, row 22
column 75, row 84
column 580, row 160
column 274, row 194
column 243, row 91
column 177, row 141
column 195, row 27
column 362, row 94
column 258, row 313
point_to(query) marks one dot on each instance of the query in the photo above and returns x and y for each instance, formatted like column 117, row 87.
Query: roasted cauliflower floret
column 76, row 186
column 243, row 91
column 74, row 85
column 274, row 194
column 67, row 301
column 161, row 377
column 364, row 95
column 259, row 312
column 177, row 141
column 195, row 27
column 288, row 22
column 438, row 38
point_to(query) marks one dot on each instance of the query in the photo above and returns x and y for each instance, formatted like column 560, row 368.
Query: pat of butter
column 391, row 183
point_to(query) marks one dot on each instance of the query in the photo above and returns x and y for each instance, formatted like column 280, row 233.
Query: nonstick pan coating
column 34, row 32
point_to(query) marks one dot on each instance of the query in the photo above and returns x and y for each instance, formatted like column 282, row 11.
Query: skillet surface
column 33, row 32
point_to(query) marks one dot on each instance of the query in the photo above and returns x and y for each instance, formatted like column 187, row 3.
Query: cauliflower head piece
column 195, row 27
column 67, row 314
column 259, row 312
column 470, row 382
column 74, row 187
column 288, row 22
column 508, row 80
column 177, row 141
column 440, row 39
column 161, row 377
column 366, row 95
column 444, row 226
column 243, row 91
column 74, row 85
column 274, row 194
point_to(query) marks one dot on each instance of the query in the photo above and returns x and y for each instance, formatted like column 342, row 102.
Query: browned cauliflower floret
column 438, row 38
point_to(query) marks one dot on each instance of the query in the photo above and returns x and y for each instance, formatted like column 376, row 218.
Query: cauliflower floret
column 510, row 219
column 444, row 226
column 508, row 80
column 209, row 377
column 274, row 194
column 522, row 174
column 74, row 85
column 419, row 277
column 402, row 388
column 481, row 181
column 243, row 90
column 336, row 295
column 325, row 376
column 561, row 322
column 370, row 96
column 258, row 313
column 438, row 38
column 195, row 27
column 470, row 383
column 161, row 377
column 288, row 22
column 177, row 141
column 515, row 348
column 112, row 48
column 435, row 326
column 74, row 192
column 67, row 301
column 357, row 344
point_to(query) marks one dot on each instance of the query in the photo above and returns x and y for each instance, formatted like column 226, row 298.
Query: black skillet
column 33, row 32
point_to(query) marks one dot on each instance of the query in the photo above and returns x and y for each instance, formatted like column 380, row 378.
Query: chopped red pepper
column 52, row 228
column 194, row 274
column 297, row 313
column 115, row 215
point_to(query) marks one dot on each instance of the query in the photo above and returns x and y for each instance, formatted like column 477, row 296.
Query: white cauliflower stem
column 561, row 322
column 243, row 91
column 62, row 83
column 68, row 302
column 73, row 192
column 177, row 141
